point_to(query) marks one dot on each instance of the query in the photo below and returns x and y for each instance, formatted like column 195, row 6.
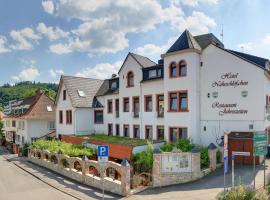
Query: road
column 16, row 184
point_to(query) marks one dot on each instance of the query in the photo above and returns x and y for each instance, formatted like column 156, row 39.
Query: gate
column 242, row 141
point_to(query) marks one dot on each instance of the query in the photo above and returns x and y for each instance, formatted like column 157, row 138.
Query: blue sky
column 40, row 40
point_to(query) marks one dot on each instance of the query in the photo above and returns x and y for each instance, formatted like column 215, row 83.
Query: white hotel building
column 197, row 90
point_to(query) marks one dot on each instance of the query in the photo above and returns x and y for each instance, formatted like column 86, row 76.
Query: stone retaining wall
column 79, row 170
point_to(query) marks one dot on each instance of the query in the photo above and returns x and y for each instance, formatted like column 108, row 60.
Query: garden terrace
column 71, row 150
column 116, row 140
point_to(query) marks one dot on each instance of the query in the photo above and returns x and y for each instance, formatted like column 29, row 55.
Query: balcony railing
column 117, row 114
column 136, row 114
column 160, row 114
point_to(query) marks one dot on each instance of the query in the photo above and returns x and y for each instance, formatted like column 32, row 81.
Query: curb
column 40, row 179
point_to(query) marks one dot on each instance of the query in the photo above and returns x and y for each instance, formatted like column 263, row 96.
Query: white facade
column 225, row 92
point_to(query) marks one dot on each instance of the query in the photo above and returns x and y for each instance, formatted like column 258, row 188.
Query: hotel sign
column 229, row 80
column 228, row 108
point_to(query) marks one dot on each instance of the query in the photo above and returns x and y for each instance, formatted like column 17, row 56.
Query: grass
column 116, row 140
column 56, row 146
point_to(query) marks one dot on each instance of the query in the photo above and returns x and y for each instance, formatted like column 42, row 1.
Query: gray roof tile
column 87, row 85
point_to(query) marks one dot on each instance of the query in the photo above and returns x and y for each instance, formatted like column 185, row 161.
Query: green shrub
column 204, row 157
column 184, row 145
column 143, row 162
column 25, row 150
column 218, row 156
column 167, row 147
column 56, row 146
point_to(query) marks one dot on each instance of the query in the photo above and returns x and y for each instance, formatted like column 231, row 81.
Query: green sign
column 260, row 143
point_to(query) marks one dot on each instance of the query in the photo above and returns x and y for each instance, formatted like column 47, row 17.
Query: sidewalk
column 58, row 182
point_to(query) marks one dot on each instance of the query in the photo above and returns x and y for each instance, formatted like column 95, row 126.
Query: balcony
column 136, row 114
column 117, row 113
column 160, row 114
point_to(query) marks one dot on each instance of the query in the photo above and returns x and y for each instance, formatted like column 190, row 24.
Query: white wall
column 216, row 64
column 67, row 129
column 84, row 121
column 190, row 83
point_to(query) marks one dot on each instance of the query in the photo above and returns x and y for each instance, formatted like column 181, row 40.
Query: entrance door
column 243, row 142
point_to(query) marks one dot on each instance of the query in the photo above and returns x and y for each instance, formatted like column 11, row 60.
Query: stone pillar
column 156, row 169
column 125, row 178
column 196, row 161
column 212, row 154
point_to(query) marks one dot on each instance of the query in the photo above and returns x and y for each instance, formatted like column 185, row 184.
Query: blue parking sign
column 103, row 151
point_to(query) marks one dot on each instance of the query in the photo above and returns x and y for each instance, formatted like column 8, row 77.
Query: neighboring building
column 11, row 104
column 74, row 105
column 197, row 90
column 33, row 118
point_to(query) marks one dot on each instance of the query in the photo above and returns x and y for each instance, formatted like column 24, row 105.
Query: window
column 126, row 130
column 113, row 85
column 178, row 101
column 68, row 117
column 160, row 105
column 110, row 106
column 182, row 68
column 81, row 93
column 49, row 108
column 152, row 73
column 117, row 130
column 136, row 131
column 22, row 139
column 21, row 125
column 136, row 106
column 160, row 132
column 177, row 133
column 60, row 117
column 173, row 70
column 148, row 132
column 183, row 101
column 173, row 101
column 51, row 125
column 8, row 123
column 64, row 95
column 98, row 116
column 13, row 123
column 130, row 79
column 148, row 104
column 126, row 104
column 117, row 108
column 110, row 129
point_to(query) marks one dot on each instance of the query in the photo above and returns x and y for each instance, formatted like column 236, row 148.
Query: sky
column 42, row 39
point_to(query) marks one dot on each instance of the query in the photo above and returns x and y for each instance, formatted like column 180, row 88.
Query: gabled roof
column 185, row 41
column 206, row 39
column 74, row 84
column 105, row 87
column 141, row 60
column 261, row 62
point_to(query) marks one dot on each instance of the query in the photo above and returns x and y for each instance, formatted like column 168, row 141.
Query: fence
column 89, row 172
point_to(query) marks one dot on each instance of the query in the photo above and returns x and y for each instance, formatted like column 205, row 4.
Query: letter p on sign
column 103, row 151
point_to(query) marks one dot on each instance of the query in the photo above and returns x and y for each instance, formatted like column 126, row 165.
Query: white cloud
column 194, row 3
column 106, row 23
column 266, row 40
column 100, row 71
column 56, row 72
column 246, row 46
column 48, row 6
column 150, row 50
column 50, row 32
column 3, row 41
column 27, row 74
column 24, row 39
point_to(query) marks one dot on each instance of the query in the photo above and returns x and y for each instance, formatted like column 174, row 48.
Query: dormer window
column 114, row 85
column 130, row 79
column 81, row 93
column 182, row 68
column 173, row 70
column 49, row 108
